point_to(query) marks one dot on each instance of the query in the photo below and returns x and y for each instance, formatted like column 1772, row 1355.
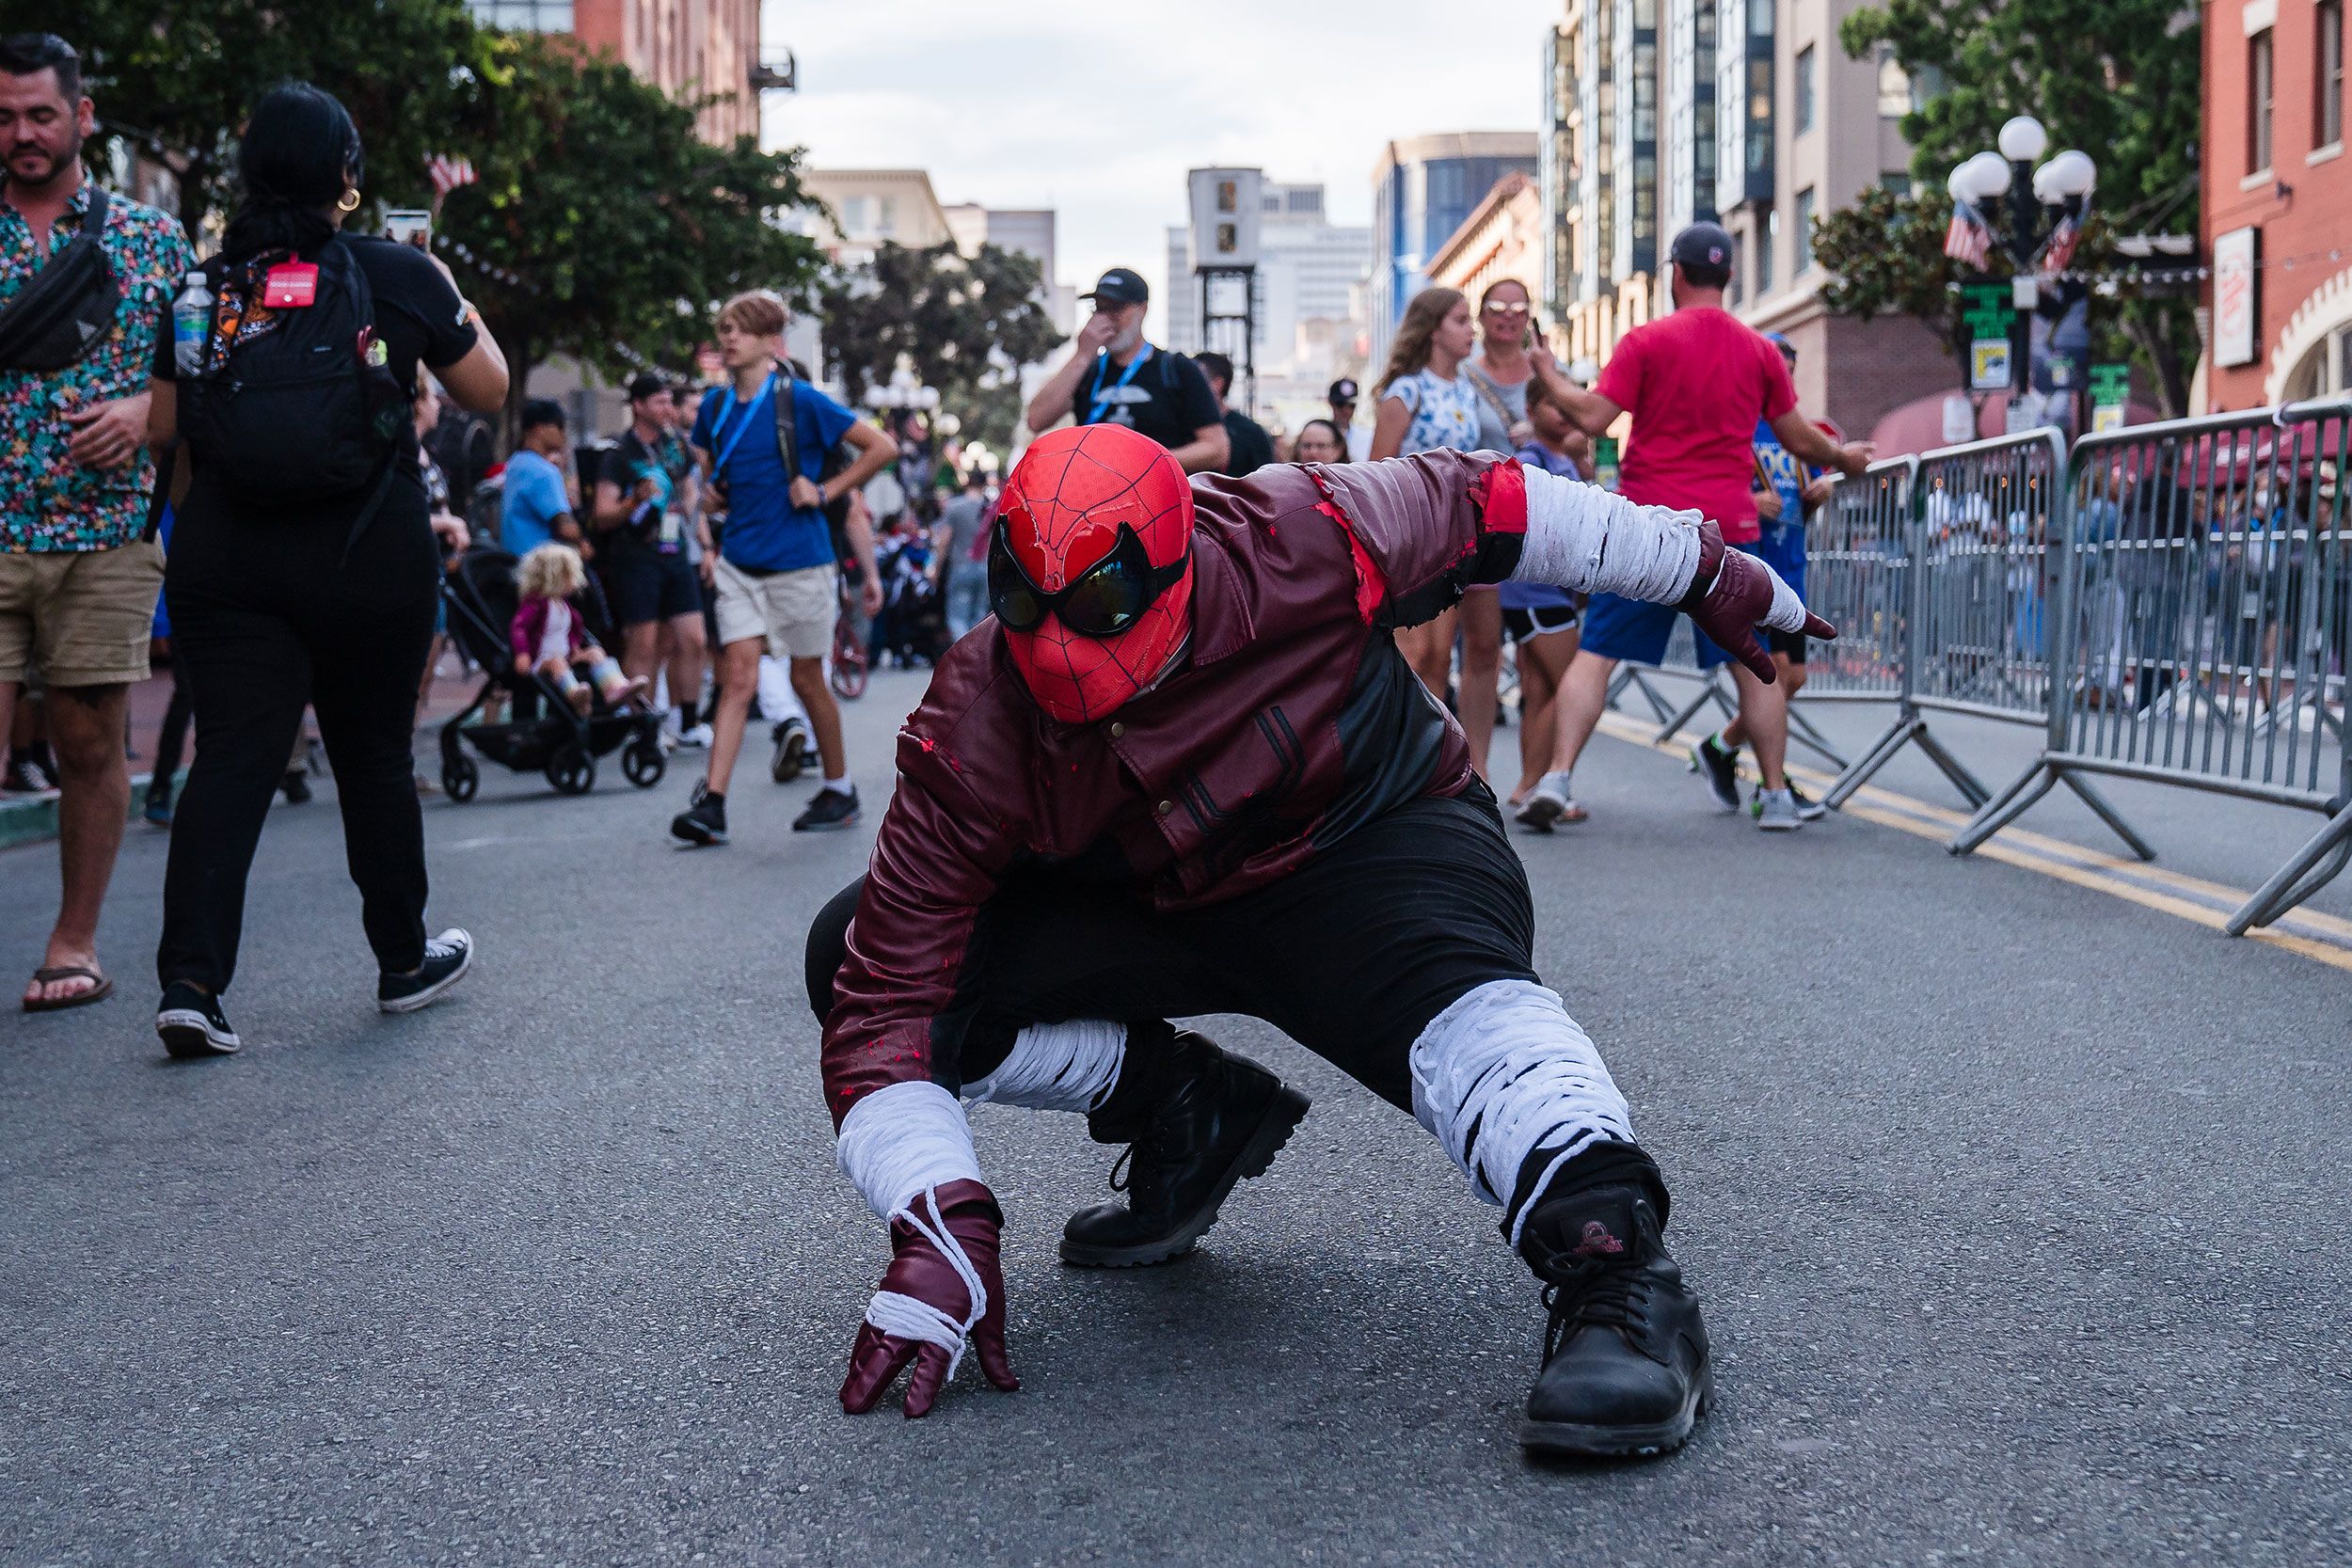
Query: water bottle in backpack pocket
column 306, row 412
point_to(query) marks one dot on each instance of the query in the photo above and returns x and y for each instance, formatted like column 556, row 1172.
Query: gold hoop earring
column 349, row 202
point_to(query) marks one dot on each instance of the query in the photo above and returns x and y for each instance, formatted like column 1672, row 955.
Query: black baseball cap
column 1342, row 391
column 1120, row 287
column 1703, row 244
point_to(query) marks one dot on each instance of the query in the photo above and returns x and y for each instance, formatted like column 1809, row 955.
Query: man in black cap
column 1113, row 376
column 1342, row 400
column 1697, row 382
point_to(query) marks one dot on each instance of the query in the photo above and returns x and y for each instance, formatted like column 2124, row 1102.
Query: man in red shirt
column 1696, row 381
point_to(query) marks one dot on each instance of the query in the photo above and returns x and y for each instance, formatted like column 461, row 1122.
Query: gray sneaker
column 1550, row 803
column 1776, row 812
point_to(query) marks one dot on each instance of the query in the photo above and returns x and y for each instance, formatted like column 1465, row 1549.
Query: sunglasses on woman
column 1108, row 597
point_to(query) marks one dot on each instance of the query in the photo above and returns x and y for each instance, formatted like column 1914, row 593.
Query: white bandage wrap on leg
column 1057, row 1066
column 1505, row 1072
column 1591, row 540
column 898, row 1146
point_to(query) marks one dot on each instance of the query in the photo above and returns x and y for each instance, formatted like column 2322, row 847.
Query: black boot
column 1624, row 1355
column 1197, row 1122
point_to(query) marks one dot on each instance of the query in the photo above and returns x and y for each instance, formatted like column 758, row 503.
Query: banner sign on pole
column 2110, row 394
column 1986, row 316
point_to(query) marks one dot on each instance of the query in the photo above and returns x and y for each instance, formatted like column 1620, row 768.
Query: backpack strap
column 40, row 296
column 787, row 433
column 355, row 279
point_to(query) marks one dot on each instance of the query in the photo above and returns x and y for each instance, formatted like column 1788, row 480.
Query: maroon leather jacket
column 1290, row 720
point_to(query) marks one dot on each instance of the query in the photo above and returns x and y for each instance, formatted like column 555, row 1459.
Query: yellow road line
column 2324, row 938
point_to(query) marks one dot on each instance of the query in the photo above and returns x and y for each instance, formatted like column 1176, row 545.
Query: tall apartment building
column 1303, row 296
column 1424, row 188
column 688, row 48
column 1748, row 113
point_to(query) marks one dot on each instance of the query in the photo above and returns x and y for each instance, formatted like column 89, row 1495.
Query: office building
column 1503, row 240
column 1424, row 188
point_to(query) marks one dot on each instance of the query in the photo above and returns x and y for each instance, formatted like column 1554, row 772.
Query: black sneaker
column 191, row 1025
column 297, row 787
column 1808, row 809
column 831, row 809
column 447, row 958
column 792, row 750
column 705, row 819
column 1625, row 1366
column 1721, row 770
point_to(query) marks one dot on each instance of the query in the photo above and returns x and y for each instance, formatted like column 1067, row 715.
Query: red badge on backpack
column 291, row 286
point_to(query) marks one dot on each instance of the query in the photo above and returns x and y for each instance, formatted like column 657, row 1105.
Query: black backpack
column 297, row 416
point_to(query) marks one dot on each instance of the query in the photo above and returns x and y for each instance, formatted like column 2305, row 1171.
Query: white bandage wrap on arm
column 1057, row 1066
column 1505, row 1072
column 898, row 1146
column 1591, row 540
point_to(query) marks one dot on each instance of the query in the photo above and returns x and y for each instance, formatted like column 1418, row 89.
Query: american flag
column 2060, row 250
column 1967, row 241
column 449, row 173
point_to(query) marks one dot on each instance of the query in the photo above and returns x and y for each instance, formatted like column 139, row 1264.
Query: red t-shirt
column 1696, row 383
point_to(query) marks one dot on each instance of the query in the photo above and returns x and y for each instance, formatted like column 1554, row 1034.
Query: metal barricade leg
column 2108, row 814
column 1879, row 753
column 1971, row 789
column 2313, row 868
column 1803, row 733
column 1710, row 689
column 2005, row 807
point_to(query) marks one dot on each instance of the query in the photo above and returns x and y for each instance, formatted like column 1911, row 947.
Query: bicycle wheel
column 848, row 662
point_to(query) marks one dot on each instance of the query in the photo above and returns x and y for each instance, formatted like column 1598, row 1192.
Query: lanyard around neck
column 726, row 407
column 1102, row 399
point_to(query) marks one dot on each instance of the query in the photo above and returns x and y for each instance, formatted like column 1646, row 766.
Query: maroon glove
column 1733, row 593
column 918, row 1269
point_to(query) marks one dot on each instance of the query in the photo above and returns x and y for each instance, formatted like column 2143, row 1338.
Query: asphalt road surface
column 2018, row 1209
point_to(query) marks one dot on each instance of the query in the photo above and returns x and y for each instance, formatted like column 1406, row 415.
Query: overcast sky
column 1098, row 113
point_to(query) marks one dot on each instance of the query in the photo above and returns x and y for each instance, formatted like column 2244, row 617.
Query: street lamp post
column 2042, row 203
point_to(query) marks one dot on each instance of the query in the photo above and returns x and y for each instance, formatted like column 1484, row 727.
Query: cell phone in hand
column 412, row 226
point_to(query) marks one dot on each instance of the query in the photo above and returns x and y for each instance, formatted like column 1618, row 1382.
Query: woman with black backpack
column 302, row 567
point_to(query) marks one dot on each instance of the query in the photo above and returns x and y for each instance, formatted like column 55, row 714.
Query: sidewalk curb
column 32, row 819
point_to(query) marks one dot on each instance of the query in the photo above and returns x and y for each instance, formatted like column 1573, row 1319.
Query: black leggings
column 1351, row 955
column 269, row 614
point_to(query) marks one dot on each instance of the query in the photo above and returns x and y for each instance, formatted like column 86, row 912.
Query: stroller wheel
column 643, row 762
column 460, row 778
column 571, row 769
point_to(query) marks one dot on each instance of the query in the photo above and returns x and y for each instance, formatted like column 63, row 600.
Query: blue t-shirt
column 1539, row 595
column 534, row 498
column 766, row 532
column 1782, row 538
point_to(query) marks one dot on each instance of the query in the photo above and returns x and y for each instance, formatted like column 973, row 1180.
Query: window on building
column 524, row 16
column 2327, row 75
column 1805, row 232
column 2258, row 94
column 1767, row 242
column 1894, row 87
column 1897, row 181
column 1805, row 90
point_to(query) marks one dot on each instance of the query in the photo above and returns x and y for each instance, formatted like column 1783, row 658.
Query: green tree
column 177, row 78
column 601, row 226
column 966, row 325
column 2118, row 78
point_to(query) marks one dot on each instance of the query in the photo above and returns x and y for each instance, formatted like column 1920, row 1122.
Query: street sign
column 2110, row 394
column 1986, row 316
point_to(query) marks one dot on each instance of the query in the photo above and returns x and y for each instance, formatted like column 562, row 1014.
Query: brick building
column 2276, row 192
column 688, row 48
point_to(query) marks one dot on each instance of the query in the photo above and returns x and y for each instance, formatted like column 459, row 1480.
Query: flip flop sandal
column 99, row 993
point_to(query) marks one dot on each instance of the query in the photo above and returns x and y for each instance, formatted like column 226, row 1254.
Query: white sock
column 841, row 783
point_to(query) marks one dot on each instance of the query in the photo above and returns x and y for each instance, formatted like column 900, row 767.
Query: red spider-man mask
column 1089, row 567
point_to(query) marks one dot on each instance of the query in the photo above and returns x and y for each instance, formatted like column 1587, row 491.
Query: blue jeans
column 967, row 601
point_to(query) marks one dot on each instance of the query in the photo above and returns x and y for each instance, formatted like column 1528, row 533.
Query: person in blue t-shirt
column 534, row 505
column 774, row 580
column 1787, row 491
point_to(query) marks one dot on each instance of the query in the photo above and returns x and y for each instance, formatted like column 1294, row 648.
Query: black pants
column 1351, row 957
column 268, row 614
column 171, row 737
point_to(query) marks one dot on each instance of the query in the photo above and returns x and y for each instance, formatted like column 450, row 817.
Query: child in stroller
column 913, row 624
column 546, row 634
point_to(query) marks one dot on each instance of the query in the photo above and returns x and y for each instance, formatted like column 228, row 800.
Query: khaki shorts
column 794, row 610
column 80, row 617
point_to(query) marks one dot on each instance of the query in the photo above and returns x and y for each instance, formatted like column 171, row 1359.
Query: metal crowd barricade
column 1976, row 633
column 2205, row 618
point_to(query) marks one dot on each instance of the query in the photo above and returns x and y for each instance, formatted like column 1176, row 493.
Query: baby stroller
column 544, row 734
column 913, row 623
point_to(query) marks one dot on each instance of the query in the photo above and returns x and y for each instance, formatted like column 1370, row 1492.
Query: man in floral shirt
column 77, row 581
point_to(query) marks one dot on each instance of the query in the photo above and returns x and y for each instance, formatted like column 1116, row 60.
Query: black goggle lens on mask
column 1107, row 598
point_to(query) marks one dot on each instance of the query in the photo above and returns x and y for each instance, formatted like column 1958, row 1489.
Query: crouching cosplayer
column 1184, row 771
